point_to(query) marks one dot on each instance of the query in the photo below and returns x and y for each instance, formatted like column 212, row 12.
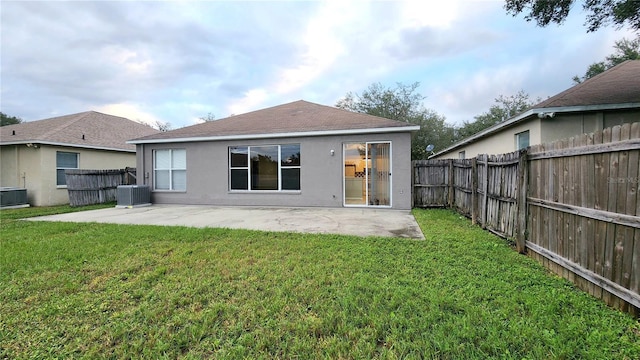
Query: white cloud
column 322, row 44
column 132, row 62
column 471, row 93
column 423, row 13
column 248, row 102
column 184, row 60
column 129, row 111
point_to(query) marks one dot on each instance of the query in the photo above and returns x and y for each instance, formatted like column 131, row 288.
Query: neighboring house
column 296, row 154
column 34, row 154
column 608, row 99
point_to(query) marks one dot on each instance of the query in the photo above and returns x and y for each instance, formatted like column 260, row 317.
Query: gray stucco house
column 295, row 154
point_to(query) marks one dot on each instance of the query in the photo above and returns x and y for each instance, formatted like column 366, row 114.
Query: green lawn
column 71, row 290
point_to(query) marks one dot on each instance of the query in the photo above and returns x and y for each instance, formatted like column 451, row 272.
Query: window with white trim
column 65, row 160
column 170, row 169
column 264, row 167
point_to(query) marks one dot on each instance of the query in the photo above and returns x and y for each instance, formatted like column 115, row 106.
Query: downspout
column 17, row 166
column 144, row 169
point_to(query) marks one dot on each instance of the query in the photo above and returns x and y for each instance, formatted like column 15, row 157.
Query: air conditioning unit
column 13, row 197
column 133, row 196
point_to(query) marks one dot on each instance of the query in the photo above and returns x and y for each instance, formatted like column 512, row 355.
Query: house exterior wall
column 21, row 167
column 35, row 169
column 498, row 143
column 561, row 126
column 321, row 174
column 9, row 176
column 567, row 125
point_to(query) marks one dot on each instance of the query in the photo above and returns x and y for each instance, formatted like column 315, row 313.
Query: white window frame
column 248, row 168
column 64, row 186
column 171, row 169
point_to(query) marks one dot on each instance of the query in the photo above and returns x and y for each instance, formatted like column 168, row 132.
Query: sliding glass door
column 367, row 174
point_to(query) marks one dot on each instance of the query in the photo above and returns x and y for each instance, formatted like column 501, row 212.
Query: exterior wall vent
column 133, row 196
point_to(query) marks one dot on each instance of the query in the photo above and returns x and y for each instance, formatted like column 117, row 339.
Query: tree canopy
column 9, row 120
column 600, row 13
column 403, row 103
column 624, row 50
column 399, row 103
column 504, row 108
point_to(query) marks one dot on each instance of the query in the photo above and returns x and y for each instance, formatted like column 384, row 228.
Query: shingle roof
column 614, row 89
column 89, row 129
column 618, row 85
column 298, row 117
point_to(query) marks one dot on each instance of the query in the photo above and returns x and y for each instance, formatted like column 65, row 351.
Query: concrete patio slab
column 347, row 221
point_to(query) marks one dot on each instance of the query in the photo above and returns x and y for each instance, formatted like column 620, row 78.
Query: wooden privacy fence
column 87, row 187
column 483, row 188
column 573, row 205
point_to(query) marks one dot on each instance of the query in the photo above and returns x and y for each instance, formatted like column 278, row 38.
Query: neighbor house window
column 170, row 169
column 65, row 160
column 264, row 167
column 461, row 155
column 522, row 140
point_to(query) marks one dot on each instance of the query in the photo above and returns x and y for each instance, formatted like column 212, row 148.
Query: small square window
column 522, row 140
column 65, row 160
column 170, row 169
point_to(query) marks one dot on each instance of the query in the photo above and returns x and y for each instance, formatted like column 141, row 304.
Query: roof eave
column 280, row 135
column 521, row 117
column 52, row 143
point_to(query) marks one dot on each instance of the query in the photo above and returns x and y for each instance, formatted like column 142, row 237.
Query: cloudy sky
column 181, row 60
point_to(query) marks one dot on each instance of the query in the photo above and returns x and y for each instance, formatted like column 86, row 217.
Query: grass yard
column 71, row 290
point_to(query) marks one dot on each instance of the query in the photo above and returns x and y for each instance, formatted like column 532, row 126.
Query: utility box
column 13, row 197
column 133, row 196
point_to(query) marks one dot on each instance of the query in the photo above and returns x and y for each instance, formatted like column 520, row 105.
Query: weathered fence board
column 574, row 203
column 435, row 175
column 88, row 187
column 597, row 207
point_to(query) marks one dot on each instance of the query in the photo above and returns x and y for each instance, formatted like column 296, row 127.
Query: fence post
column 485, row 189
column 474, row 189
column 413, row 182
column 523, row 189
column 451, row 201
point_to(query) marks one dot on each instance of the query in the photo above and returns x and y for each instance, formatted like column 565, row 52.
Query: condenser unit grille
column 131, row 195
column 12, row 196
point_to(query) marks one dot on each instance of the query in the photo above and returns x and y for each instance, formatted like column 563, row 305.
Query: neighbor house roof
column 615, row 89
column 299, row 118
column 618, row 85
column 89, row 129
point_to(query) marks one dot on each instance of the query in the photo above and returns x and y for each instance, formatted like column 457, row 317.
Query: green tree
column 504, row 108
column 399, row 103
column 8, row 120
column 599, row 12
column 403, row 103
column 624, row 50
column 434, row 130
